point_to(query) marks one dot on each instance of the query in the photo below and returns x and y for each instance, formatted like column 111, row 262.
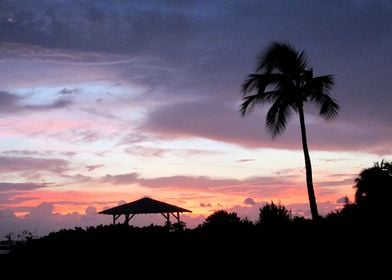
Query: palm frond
column 250, row 83
column 277, row 117
column 260, row 82
column 321, row 84
column 249, row 103
column 329, row 108
column 302, row 61
column 317, row 90
column 283, row 58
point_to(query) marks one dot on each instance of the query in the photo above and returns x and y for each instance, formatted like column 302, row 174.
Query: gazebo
column 145, row 205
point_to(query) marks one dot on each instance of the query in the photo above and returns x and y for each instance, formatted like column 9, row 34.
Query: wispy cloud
column 94, row 167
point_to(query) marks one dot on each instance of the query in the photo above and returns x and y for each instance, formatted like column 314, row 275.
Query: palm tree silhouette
column 284, row 79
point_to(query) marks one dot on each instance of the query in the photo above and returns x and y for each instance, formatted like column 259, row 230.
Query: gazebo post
column 128, row 218
column 115, row 217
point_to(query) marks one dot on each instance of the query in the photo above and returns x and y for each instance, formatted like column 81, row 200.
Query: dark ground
column 245, row 251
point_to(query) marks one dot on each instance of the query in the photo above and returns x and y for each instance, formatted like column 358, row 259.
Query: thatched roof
column 144, row 206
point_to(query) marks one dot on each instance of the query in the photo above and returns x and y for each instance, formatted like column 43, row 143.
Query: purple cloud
column 249, row 201
column 222, row 122
column 21, row 186
column 31, row 164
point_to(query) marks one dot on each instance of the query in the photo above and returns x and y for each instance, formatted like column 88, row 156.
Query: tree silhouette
column 374, row 186
column 274, row 214
column 372, row 197
column 222, row 219
column 284, row 79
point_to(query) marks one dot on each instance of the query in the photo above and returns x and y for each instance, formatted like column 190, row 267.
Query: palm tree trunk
column 308, row 166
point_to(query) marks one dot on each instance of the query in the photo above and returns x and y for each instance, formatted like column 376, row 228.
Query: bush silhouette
column 274, row 214
column 222, row 219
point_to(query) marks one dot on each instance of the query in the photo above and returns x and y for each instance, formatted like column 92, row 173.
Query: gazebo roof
column 145, row 205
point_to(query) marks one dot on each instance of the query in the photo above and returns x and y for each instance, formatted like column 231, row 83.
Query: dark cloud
column 20, row 186
column 249, row 201
column 93, row 167
column 11, row 103
column 199, row 50
column 69, row 91
column 31, row 164
column 122, row 179
column 223, row 123
column 245, row 160
column 342, row 200
column 205, row 204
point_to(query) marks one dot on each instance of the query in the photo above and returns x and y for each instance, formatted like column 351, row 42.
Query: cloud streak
column 21, row 186
column 11, row 104
column 31, row 164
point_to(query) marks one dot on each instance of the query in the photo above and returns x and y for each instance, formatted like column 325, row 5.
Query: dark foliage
column 374, row 186
column 272, row 214
column 372, row 198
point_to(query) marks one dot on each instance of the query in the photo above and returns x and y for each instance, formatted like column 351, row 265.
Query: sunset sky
column 103, row 102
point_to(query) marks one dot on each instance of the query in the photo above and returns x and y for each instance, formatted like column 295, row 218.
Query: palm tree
column 284, row 79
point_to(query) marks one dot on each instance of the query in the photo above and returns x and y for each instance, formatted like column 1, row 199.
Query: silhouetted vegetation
column 222, row 218
column 272, row 214
column 372, row 197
